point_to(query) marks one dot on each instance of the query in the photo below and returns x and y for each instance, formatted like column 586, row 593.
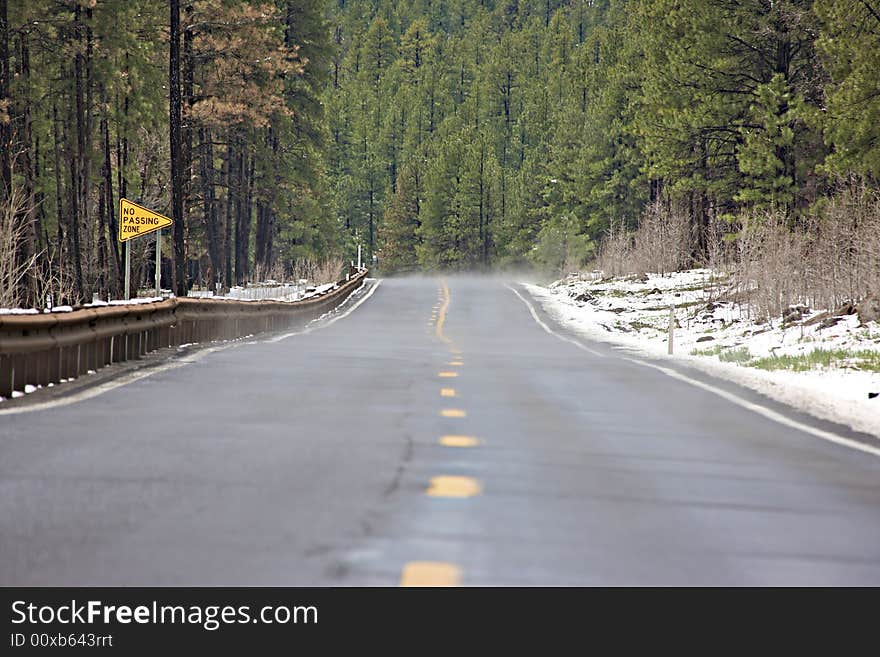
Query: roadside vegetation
column 863, row 359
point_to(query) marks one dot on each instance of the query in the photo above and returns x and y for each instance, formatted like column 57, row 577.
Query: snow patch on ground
column 721, row 338
column 18, row 311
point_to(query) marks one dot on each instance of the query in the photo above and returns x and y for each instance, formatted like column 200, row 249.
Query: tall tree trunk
column 239, row 210
column 210, row 206
column 260, row 238
column 230, row 199
column 371, row 224
column 102, row 281
column 243, row 216
column 177, row 163
column 77, row 155
column 5, row 126
column 122, row 146
column 28, row 249
column 59, row 189
column 84, row 139
column 116, row 277
column 186, row 131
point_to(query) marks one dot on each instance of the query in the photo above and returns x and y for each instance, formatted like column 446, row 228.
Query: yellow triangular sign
column 136, row 220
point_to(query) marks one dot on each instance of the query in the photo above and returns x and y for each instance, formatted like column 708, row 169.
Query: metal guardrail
column 48, row 348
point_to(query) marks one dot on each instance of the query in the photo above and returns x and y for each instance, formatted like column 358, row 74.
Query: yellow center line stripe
column 459, row 441
column 448, row 392
column 453, row 486
column 430, row 573
column 452, row 412
column 442, row 318
column 447, row 375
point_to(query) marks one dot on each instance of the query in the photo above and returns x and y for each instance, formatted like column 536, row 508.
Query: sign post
column 136, row 221
column 127, row 270
column 159, row 263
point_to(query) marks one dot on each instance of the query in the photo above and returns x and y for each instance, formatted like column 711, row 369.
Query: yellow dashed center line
column 453, row 486
column 430, row 573
column 442, row 317
column 441, row 573
column 459, row 441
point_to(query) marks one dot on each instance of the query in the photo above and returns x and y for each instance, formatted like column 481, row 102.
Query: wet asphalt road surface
column 435, row 435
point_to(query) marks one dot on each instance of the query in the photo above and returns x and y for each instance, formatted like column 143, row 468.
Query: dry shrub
column 54, row 283
column 315, row 271
column 318, row 272
column 263, row 274
column 613, row 258
column 824, row 260
column 661, row 244
column 13, row 234
column 768, row 260
column 844, row 262
column 828, row 259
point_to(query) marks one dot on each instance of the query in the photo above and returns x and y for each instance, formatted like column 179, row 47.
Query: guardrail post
column 19, row 372
column 85, row 357
column 6, row 376
column 55, row 365
column 41, row 374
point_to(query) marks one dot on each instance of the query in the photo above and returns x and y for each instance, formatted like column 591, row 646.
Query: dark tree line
column 473, row 133
column 205, row 110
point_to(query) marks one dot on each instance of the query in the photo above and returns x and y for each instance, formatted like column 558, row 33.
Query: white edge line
column 761, row 410
column 180, row 362
column 112, row 385
column 284, row 336
column 768, row 413
column 550, row 330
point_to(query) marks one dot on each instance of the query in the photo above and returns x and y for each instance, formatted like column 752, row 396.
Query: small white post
column 159, row 263
column 127, row 270
column 671, row 328
column 359, row 257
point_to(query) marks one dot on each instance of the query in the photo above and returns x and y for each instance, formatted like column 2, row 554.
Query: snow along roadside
column 839, row 396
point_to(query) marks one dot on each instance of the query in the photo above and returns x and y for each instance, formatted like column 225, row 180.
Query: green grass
column 726, row 354
column 741, row 355
column 712, row 351
column 859, row 360
column 862, row 359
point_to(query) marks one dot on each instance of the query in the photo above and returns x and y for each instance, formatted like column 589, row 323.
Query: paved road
column 319, row 460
